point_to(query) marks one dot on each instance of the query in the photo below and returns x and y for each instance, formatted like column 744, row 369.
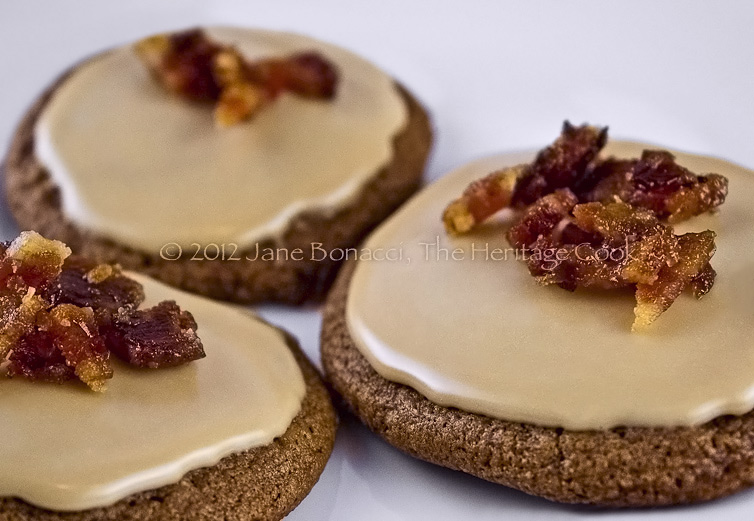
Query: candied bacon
column 558, row 166
column 161, row 336
column 696, row 250
column 481, row 199
column 34, row 260
column 658, row 183
column 36, row 357
column 307, row 74
column 654, row 181
column 562, row 164
column 28, row 265
column 183, row 63
column 99, row 286
column 74, row 332
column 59, row 314
column 192, row 66
column 588, row 222
column 634, row 249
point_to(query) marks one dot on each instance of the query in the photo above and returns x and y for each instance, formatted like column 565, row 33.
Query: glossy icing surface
column 479, row 334
column 140, row 166
column 68, row 448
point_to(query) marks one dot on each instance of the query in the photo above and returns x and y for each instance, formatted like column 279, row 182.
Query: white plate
column 497, row 76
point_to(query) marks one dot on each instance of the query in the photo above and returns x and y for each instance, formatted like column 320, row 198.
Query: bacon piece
column 36, row 261
column 541, row 218
column 100, row 286
column 36, row 357
column 307, row 74
column 654, row 181
column 695, row 252
column 560, row 165
column 75, row 334
column 481, row 199
column 625, row 247
column 161, row 336
column 658, row 183
column 55, row 312
column 192, row 66
column 28, row 265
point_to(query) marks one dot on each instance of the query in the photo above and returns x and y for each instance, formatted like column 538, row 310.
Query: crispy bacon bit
column 75, row 334
column 695, row 252
column 627, row 247
column 483, row 198
column 60, row 314
column 33, row 259
column 28, row 265
column 658, row 183
column 588, row 222
column 561, row 165
column 81, row 283
column 192, row 66
column 655, row 181
column 36, row 357
column 161, row 336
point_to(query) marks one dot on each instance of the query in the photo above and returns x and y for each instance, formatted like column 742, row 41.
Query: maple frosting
column 143, row 167
column 478, row 333
column 67, row 448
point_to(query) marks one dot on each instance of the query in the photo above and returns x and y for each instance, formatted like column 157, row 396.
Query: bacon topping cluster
column 63, row 316
column 192, row 66
column 603, row 223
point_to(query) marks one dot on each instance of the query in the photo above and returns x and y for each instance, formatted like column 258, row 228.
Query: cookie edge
column 620, row 467
column 35, row 203
column 278, row 476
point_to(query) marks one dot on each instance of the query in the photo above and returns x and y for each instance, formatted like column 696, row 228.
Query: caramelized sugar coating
column 74, row 332
column 28, row 266
column 654, row 181
column 62, row 316
column 194, row 67
column 161, row 336
column 692, row 270
column 613, row 245
column 36, row 357
column 99, row 286
column 482, row 199
column 560, row 165
column 657, row 182
column 589, row 222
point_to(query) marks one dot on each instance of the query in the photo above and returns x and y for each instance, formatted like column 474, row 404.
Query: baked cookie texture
column 35, row 202
column 620, row 467
column 264, row 483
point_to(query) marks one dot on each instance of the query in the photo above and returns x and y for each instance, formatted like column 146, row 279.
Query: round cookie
column 35, row 201
column 263, row 483
column 620, row 467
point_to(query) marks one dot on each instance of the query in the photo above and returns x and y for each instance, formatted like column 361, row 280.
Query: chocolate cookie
column 620, row 467
column 263, row 483
column 36, row 203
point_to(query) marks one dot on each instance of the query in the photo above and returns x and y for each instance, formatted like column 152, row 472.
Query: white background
column 496, row 76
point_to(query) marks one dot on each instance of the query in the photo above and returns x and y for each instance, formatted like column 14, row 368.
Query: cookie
column 36, row 202
column 263, row 483
column 619, row 467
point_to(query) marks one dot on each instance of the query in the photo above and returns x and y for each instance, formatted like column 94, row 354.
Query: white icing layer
column 479, row 334
column 68, row 448
column 140, row 166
